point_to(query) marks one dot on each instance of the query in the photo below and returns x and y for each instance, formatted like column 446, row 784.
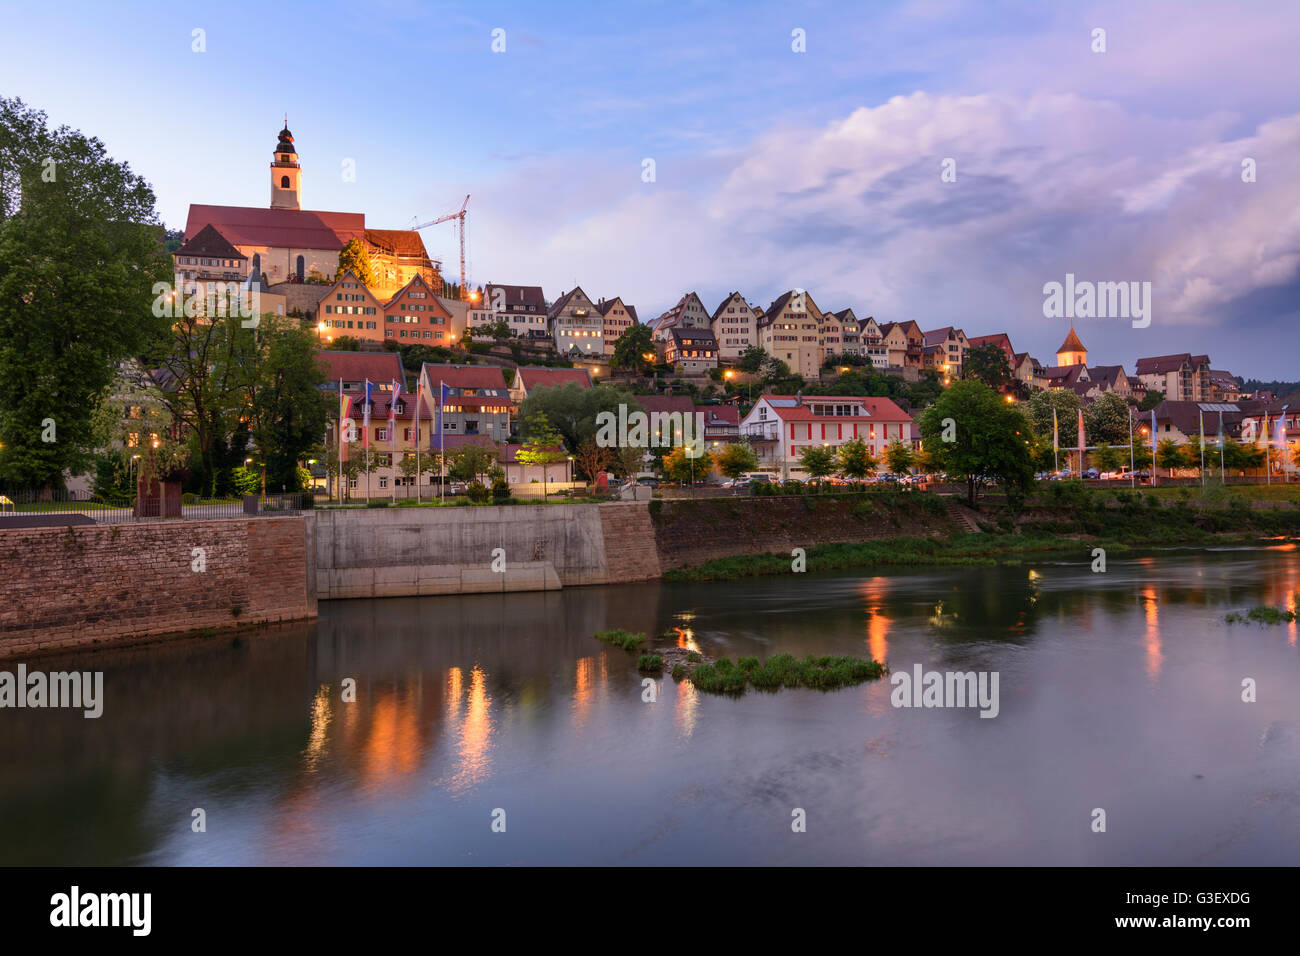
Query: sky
column 773, row 167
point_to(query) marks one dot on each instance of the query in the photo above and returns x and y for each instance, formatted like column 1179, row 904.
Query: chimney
column 798, row 397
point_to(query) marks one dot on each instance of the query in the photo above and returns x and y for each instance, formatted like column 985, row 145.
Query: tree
column 737, row 458
column 81, row 254
column 411, row 467
column 1107, row 458
column 989, row 439
column 572, row 409
column 632, row 347
column 471, row 462
column 987, row 363
column 345, row 343
column 1066, row 404
column 855, row 459
column 355, row 257
column 592, row 458
column 543, row 447
column 282, row 391
column 899, row 456
column 1170, row 454
column 752, row 359
column 1150, row 400
column 1239, row 457
column 817, row 460
column 1106, row 420
column 680, row 465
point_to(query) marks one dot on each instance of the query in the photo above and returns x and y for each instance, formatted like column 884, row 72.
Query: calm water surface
column 1119, row 690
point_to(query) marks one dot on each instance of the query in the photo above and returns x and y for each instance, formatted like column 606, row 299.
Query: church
column 295, row 245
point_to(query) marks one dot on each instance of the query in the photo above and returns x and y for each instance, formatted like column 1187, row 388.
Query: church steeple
column 1071, row 351
column 285, row 172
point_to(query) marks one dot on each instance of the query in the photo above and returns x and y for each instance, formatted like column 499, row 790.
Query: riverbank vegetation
column 782, row 670
column 1262, row 614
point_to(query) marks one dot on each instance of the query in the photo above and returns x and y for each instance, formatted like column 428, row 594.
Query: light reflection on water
column 1118, row 689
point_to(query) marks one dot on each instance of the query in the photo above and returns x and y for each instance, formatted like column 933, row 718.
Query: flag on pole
column 365, row 417
column 345, row 419
column 1056, row 433
column 1219, row 439
column 392, row 414
column 1081, row 439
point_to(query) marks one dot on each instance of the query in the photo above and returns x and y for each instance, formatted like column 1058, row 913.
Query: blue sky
column 773, row 169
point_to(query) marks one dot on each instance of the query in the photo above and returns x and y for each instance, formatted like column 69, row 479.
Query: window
column 284, row 182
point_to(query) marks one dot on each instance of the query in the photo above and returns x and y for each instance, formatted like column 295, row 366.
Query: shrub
column 377, row 503
column 679, row 672
column 625, row 639
column 650, row 664
column 477, row 492
column 500, row 490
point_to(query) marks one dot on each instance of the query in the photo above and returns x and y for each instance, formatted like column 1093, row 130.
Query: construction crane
column 460, row 219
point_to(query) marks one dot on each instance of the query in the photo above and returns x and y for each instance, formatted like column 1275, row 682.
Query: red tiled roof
column 719, row 414
column 878, row 409
column 666, row 403
column 464, row 376
column 531, row 376
column 297, row 228
column 379, row 367
column 1071, row 343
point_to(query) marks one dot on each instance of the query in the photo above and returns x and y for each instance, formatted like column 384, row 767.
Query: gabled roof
column 1066, row 375
column 667, row 403
column 937, row 336
column 516, row 298
column 562, row 302
column 349, row 274
column 1163, row 364
column 604, row 305
column 380, row 367
column 256, row 226
column 1000, row 339
column 1186, row 416
column 719, row 415
column 531, row 376
column 723, row 304
column 1107, row 375
column 464, row 376
column 702, row 335
column 773, row 311
column 210, row 243
column 418, row 282
column 1222, row 379
column 1071, row 343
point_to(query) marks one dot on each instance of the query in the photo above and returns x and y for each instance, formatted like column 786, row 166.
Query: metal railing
column 28, row 508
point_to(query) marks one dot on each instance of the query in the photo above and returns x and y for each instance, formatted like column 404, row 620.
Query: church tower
column 285, row 173
column 1071, row 351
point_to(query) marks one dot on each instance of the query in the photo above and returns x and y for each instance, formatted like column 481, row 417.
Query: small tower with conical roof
column 1071, row 351
column 285, row 172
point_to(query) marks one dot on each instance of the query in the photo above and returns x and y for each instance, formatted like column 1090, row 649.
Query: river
column 495, row 730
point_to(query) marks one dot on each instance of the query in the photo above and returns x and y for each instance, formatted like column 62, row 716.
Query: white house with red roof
column 779, row 427
column 477, row 400
column 528, row 377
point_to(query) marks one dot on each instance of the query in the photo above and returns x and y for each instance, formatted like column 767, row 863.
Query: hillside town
column 374, row 297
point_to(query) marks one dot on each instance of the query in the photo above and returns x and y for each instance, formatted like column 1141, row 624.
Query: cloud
column 856, row 211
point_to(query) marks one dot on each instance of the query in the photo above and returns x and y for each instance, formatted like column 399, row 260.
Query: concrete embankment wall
column 396, row 552
column 107, row 584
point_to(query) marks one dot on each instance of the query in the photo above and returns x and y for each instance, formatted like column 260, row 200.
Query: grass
column 650, row 664
column 784, row 670
column 966, row 549
column 625, row 639
column 1262, row 614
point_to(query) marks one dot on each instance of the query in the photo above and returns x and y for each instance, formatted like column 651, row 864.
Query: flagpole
column 1268, row 459
column 418, row 395
column 442, row 452
column 1056, row 442
column 1223, row 474
column 339, row 436
column 1154, row 468
column 1201, row 413
column 392, row 437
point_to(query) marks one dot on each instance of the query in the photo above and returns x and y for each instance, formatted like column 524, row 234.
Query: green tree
column 990, row 439
column 680, row 465
column 855, row 459
column 752, row 359
column 287, row 408
column 899, row 456
column 544, row 445
column 988, row 364
column 1066, row 404
column 81, row 256
column 355, row 257
column 1150, row 400
column 817, row 460
column 737, row 458
column 632, row 347
column 572, row 410
column 471, row 462
column 1106, row 420
column 411, row 467
column 1170, row 454
column 1107, row 458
